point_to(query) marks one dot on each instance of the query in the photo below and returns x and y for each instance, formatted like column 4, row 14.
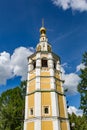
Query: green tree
column 77, row 122
column 12, row 109
column 23, row 86
column 82, row 87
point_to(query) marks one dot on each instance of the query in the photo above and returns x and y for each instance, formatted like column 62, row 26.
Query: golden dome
column 43, row 30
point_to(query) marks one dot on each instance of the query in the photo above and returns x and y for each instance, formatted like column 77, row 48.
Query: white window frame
column 46, row 106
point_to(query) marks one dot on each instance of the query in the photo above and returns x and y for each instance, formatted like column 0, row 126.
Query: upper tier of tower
column 43, row 44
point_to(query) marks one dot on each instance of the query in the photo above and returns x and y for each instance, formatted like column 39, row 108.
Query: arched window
column 39, row 48
column 49, row 48
column 34, row 64
column 54, row 65
column 44, row 62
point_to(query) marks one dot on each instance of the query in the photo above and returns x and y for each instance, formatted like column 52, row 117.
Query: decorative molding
column 46, row 118
column 45, row 52
column 46, row 77
column 45, row 90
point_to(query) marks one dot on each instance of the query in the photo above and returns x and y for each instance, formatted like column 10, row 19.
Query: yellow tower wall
column 47, row 125
column 30, row 126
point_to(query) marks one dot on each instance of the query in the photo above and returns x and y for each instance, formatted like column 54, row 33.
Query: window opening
column 34, row 64
column 54, row 65
column 44, row 63
column 46, row 110
column 31, row 111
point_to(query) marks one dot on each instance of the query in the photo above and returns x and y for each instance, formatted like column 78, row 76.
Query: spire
column 43, row 29
column 42, row 22
column 43, row 41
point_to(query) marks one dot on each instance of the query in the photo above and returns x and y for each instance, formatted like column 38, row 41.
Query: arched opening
column 49, row 48
column 44, row 62
column 54, row 65
column 34, row 64
column 39, row 48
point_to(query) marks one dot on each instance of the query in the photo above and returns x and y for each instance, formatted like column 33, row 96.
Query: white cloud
column 5, row 67
column 81, row 66
column 71, row 81
column 19, row 61
column 79, row 5
column 73, row 109
column 15, row 64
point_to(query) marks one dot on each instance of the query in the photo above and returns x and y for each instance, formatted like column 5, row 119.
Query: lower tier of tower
column 46, row 124
column 45, row 110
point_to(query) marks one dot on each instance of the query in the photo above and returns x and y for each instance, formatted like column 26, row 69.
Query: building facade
column 45, row 103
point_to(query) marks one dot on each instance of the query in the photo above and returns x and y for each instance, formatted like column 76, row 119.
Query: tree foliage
column 82, row 87
column 12, row 109
column 77, row 122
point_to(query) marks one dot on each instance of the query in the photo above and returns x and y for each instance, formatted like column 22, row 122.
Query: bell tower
column 45, row 104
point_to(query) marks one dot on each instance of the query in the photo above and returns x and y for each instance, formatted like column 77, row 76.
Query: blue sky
column 20, row 21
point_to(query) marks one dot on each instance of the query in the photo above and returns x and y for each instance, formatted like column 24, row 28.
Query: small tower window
column 34, row 64
column 49, row 48
column 39, row 48
column 31, row 112
column 44, row 63
column 54, row 65
column 46, row 110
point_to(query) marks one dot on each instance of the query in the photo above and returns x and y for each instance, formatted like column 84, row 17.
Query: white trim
column 37, row 55
column 38, row 60
column 50, row 63
column 51, row 72
column 37, row 125
column 54, row 103
column 26, row 107
column 58, row 66
column 56, row 125
column 37, row 71
column 38, row 63
column 37, row 101
column 27, row 88
column 37, row 83
column 25, row 125
column 30, row 65
column 50, row 56
column 52, row 82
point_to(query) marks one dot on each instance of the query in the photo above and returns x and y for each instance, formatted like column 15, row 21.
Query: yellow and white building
column 45, row 104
